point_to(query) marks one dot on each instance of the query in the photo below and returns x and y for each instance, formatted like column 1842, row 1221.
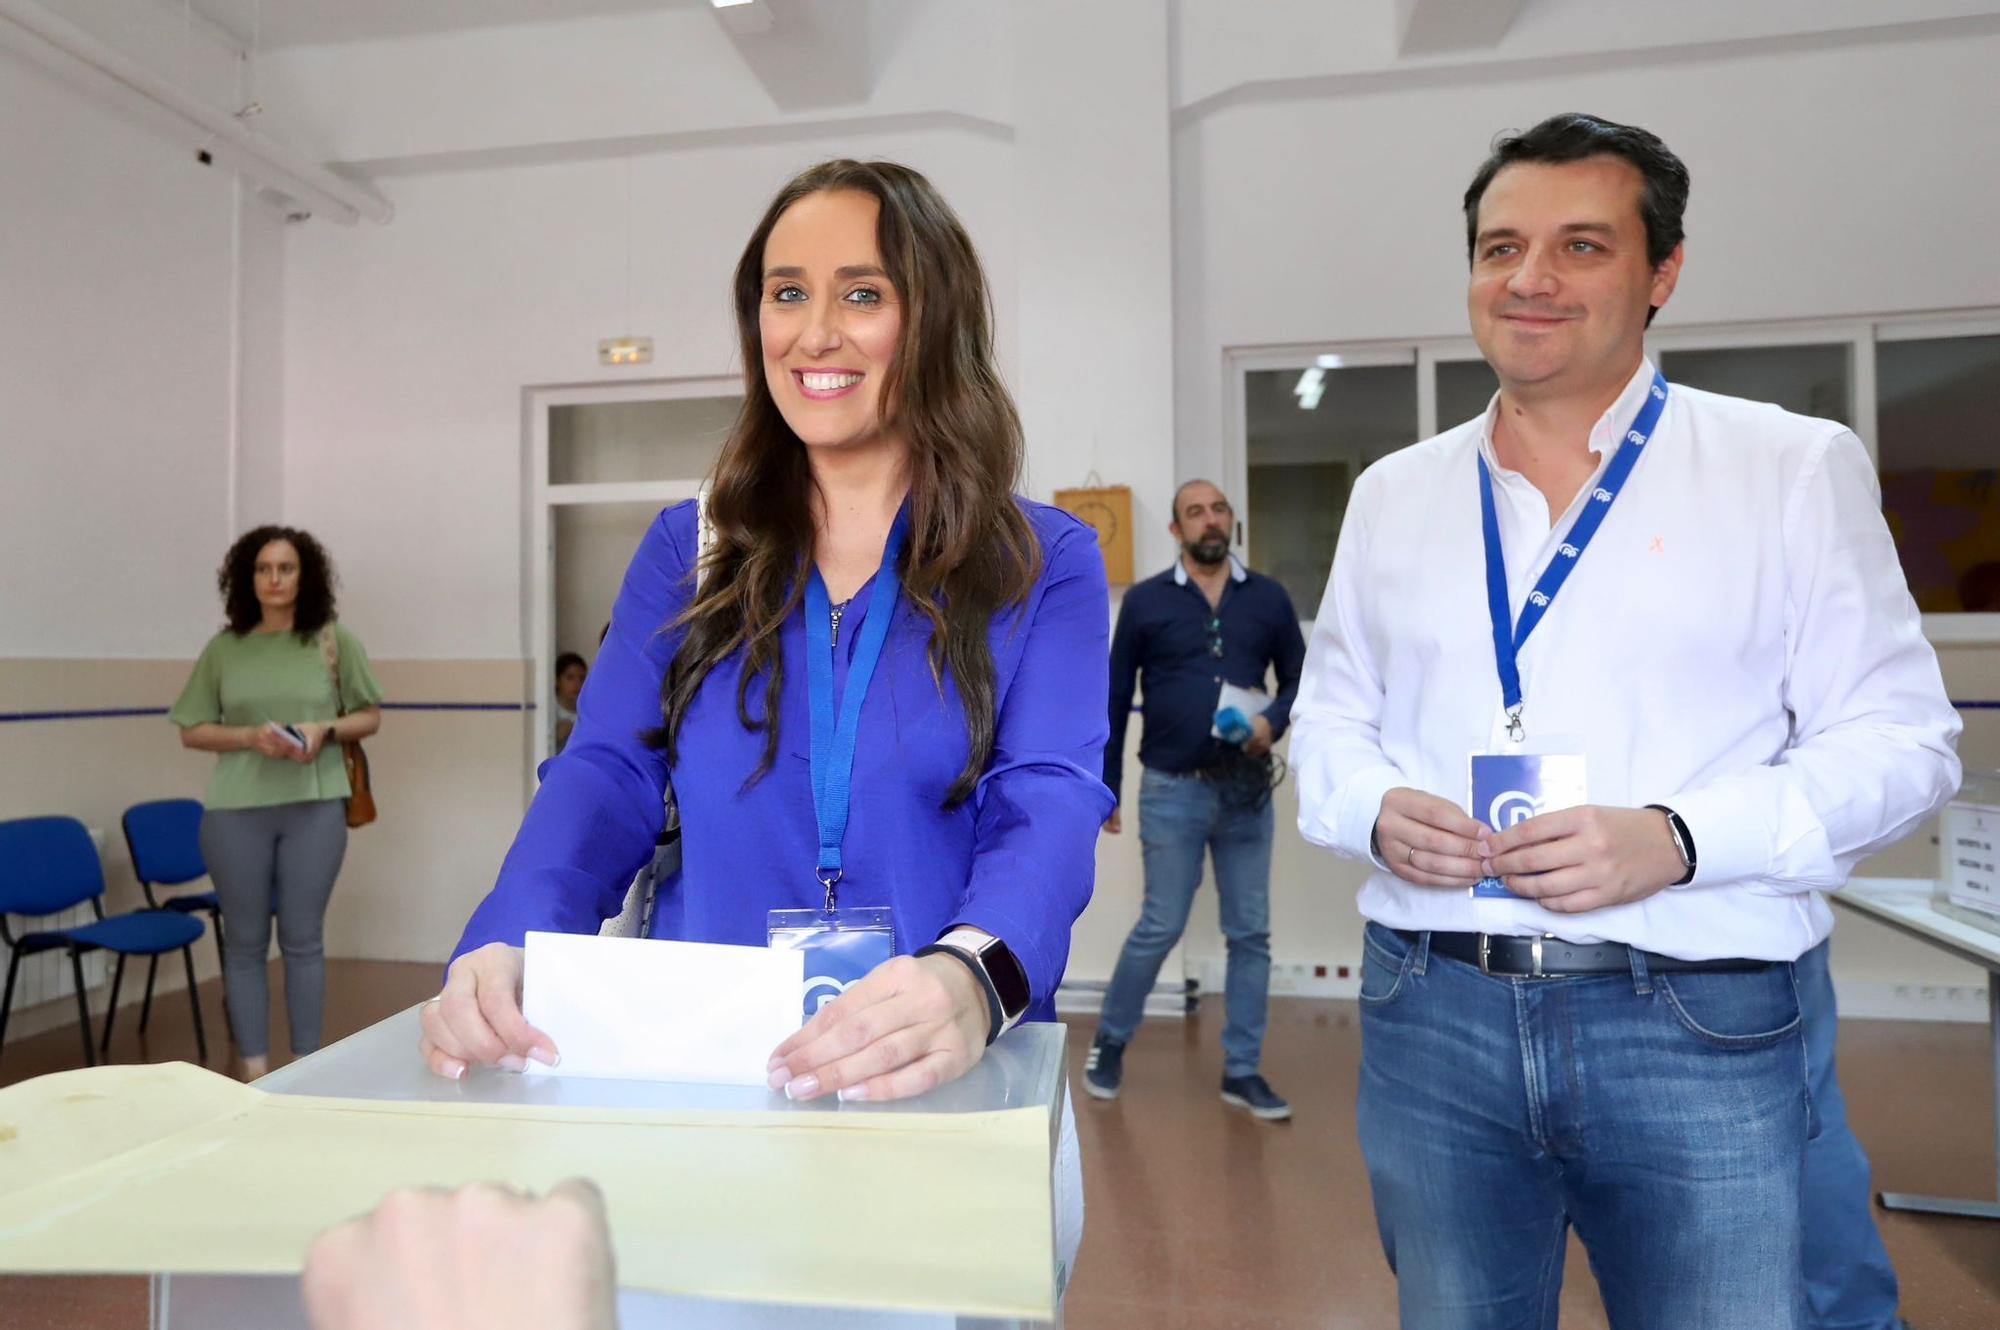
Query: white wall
column 616, row 80
column 115, row 381
column 408, row 348
column 1825, row 182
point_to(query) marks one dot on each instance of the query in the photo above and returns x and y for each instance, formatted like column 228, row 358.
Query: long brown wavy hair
column 970, row 551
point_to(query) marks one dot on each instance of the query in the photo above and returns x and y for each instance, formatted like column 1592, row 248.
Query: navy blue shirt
column 1164, row 644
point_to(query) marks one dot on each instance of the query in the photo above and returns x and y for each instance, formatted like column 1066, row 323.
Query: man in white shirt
column 1690, row 605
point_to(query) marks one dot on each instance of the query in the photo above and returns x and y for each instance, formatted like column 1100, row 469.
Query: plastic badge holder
column 1509, row 788
column 841, row 946
column 1968, row 881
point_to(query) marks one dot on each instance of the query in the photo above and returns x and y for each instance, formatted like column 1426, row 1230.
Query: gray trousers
column 277, row 862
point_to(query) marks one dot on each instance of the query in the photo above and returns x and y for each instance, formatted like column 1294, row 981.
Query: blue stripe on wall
column 24, row 717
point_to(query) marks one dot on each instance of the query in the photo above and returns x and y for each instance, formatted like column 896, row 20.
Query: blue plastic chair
column 48, row 865
column 164, row 837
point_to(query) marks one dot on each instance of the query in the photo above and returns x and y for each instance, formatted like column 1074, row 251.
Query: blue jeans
column 1179, row 818
column 1663, row 1115
column 1849, row 1282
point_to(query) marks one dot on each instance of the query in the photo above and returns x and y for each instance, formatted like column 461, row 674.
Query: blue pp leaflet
column 840, row 946
column 1510, row 788
column 1509, row 637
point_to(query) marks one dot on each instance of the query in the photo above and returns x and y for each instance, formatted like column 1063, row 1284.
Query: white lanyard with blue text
column 1510, row 787
column 841, row 946
column 1508, row 636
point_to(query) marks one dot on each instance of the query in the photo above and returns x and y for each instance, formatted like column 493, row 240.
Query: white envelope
column 1252, row 702
column 640, row 1009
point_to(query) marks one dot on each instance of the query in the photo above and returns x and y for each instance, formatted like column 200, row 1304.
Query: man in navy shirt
column 1205, row 622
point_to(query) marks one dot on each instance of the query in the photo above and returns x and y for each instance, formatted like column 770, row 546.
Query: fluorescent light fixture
column 625, row 351
column 1311, row 386
column 730, row 4
column 1331, row 362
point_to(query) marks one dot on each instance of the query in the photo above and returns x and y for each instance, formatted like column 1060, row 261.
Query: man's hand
column 1259, row 742
column 1114, row 824
column 1585, row 858
column 479, row 1258
column 1428, row 840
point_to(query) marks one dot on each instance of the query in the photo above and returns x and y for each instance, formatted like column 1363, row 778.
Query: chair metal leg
column 82, row 1007
column 146, row 1007
column 7, row 1001
column 194, row 1000
column 111, row 1009
column 215, row 921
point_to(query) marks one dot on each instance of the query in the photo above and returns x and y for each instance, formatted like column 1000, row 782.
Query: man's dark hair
column 1574, row 136
column 567, row 659
column 1187, row 485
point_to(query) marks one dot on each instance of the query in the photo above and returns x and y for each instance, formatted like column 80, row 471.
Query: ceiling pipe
column 340, row 200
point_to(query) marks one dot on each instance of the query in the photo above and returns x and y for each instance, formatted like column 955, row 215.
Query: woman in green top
column 262, row 697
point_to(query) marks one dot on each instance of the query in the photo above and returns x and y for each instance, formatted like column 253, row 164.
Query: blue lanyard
column 833, row 746
column 1509, row 637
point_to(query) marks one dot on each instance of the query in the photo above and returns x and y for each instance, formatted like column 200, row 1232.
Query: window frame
column 1861, row 335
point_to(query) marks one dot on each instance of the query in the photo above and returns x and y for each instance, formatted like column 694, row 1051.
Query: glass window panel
column 593, row 544
column 1810, row 380
column 1305, row 450
column 1938, row 432
column 1465, row 389
column 606, row 442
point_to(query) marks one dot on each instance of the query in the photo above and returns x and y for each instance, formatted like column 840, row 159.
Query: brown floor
column 1202, row 1218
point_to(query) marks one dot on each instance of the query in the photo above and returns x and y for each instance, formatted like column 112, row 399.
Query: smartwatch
column 1000, row 974
column 1683, row 840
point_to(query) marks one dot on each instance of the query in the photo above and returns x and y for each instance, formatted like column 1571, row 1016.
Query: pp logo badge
column 1601, row 494
column 1569, row 551
column 1510, row 808
column 1538, row 598
column 1635, row 438
column 822, row 989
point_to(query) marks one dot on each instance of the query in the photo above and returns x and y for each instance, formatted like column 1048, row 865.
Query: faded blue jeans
column 1180, row 818
column 1850, row 1284
column 1663, row 1116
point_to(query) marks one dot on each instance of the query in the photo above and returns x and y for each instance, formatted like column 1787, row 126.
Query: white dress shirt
column 1737, row 643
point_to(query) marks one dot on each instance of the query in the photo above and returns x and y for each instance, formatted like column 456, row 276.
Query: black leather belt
column 1547, row 957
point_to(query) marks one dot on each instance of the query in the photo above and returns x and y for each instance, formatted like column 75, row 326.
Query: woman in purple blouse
column 873, row 422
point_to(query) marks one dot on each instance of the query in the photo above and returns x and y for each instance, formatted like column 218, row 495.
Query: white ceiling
column 279, row 23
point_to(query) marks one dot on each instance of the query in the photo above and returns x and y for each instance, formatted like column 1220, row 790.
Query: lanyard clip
column 828, row 877
column 1515, row 731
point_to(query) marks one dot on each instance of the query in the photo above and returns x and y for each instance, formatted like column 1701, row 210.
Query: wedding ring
column 1412, row 860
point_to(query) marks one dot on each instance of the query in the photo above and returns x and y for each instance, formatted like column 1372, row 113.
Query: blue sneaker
column 1104, row 1068
column 1255, row 1094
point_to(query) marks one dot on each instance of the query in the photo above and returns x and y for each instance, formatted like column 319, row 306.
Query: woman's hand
column 316, row 733
column 270, row 741
column 911, row 1025
column 477, row 1020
